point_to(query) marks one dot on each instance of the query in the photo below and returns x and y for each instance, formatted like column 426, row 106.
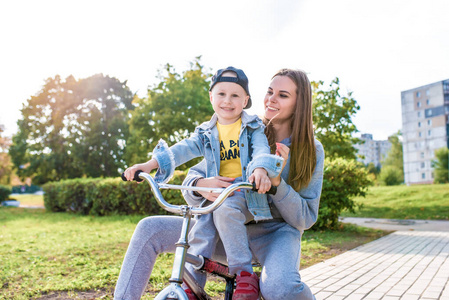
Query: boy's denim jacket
column 205, row 142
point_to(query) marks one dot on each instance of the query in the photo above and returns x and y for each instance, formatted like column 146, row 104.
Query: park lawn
column 29, row 199
column 423, row 202
column 42, row 252
column 45, row 254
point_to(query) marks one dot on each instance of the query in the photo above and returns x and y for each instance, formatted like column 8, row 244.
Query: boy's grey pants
column 276, row 245
column 227, row 223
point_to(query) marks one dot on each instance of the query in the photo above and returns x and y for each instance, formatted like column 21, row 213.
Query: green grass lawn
column 29, row 199
column 43, row 254
column 425, row 202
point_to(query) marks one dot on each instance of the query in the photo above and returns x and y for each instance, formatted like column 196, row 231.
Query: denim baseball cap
column 241, row 80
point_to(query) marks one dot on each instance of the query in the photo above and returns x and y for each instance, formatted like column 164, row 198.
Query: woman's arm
column 300, row 209
column 282, row 151
column 262, row 164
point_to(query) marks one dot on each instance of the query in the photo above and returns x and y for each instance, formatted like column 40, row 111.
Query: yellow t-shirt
column 230, row 165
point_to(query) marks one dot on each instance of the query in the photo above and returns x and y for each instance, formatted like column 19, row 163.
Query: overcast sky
column 377, row 48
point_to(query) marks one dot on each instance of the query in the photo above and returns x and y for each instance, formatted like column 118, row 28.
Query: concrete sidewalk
column 391, row 224
column 407, row 264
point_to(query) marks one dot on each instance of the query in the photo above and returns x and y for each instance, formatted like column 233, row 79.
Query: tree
column 72, row 128
column 101, row 130
column 332, row 116
column 344, row 177
column 171, row 110
column 5, row 161
column 395, row 156
column 392, row 171
column 372, row 169
column 441, row 165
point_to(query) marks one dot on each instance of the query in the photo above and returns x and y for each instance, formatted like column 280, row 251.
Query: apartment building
column 425, row 128
column 372, row 151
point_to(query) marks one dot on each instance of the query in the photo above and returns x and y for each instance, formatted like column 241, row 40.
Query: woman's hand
column 260, row 178
column 145, row 167
column 282, row 151
column 213, row 182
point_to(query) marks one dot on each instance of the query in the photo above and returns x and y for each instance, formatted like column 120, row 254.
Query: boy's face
column 228, row 100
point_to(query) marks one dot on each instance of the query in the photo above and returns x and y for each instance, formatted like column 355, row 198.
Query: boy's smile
column 228, row 100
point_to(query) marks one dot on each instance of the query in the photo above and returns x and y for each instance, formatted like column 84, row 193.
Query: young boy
column 233, row 145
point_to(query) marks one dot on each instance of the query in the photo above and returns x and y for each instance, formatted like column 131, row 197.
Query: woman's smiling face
column 280, row 100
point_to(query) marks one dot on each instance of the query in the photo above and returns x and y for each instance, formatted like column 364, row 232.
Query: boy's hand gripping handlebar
column 224, row 193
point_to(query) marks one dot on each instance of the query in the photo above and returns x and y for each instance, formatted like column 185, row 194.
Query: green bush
column 4, row 192
column 390, row 175
column 110, row 196
column 342, row 180
column 69, row 195
column 441, row 165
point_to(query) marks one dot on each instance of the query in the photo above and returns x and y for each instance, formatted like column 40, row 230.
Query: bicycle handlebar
column 136, row 176
column 179, row 209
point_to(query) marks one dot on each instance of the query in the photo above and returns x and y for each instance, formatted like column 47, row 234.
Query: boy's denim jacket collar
column 205, row 142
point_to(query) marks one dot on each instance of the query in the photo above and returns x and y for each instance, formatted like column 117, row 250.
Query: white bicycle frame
column 174, row 290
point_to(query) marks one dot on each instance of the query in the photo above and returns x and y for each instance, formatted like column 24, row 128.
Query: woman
column 276, row 244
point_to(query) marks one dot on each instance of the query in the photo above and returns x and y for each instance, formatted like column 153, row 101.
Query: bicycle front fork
column 175, row 290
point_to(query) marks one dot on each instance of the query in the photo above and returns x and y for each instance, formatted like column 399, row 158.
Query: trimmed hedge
column 4, row 192
column 110, row 196
column 343, row 180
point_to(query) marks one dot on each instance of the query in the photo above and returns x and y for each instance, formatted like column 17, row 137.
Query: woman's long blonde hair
column 302, row 149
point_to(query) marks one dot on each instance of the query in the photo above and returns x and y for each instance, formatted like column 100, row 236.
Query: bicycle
column 179, row 274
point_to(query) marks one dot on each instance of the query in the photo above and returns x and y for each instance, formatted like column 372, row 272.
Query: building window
column 418, row 94
column 422, row 154
column 429, row 132
column 423, row 165
column 427, row 101
column 427, row 92
column 419, row 124
column 419, row 114
column 420, row 134
column 418, row 104
column 423, row 175
column 429, row 122
column 446, row 86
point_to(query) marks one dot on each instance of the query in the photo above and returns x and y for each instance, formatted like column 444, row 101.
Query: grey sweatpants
column 276, row 245
column 226, row 223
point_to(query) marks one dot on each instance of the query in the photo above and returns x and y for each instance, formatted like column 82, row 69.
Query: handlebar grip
column 136, row 176
column 271, row 191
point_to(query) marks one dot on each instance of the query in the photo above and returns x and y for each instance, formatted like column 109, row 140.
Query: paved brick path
column 403, row 265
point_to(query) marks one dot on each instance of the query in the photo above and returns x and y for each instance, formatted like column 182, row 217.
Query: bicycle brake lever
column 136, row 176
column 271, row 191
